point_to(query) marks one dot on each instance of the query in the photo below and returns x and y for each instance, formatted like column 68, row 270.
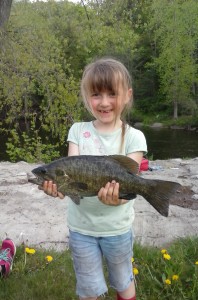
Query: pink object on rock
column 144, row 165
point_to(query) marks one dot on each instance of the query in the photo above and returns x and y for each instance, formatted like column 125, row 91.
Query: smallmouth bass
column 84, row 175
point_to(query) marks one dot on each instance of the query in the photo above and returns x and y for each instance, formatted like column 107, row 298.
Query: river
column 163, row 143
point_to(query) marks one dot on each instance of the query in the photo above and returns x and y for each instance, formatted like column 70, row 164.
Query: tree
column 38, row 92
column 175, row 26
column 5, row 8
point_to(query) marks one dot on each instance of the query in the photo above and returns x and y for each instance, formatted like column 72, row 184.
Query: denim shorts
column 90, row 252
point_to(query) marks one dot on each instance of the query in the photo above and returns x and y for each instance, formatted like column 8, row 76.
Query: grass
column 169, row 275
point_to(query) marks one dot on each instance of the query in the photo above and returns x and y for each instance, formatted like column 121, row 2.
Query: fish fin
column 79, row 186
column 126, row 162
column 130, row 196
column 159, row 193
column 75, row 199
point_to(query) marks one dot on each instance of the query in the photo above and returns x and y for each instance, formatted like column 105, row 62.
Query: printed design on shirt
column 92, row 144
column 99, row 146
column 86, row 134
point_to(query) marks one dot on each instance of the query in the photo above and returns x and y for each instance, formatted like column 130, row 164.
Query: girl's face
column 107, row 106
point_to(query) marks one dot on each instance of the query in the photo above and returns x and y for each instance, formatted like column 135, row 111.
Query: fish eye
column 43, row 171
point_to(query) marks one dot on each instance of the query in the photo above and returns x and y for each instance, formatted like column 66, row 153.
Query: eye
column 113, row 95
column 95, row 95
column 43, row 171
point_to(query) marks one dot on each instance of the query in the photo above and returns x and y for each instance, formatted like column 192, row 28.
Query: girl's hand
column 109, row 194
column 50, row 189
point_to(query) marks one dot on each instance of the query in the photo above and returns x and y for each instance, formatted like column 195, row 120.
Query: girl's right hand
column 50, row 189
column 109, row 194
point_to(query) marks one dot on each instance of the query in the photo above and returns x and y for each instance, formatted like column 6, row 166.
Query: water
column 162, row 143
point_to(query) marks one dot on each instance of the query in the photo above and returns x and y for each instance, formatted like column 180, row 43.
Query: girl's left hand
column 109, row 194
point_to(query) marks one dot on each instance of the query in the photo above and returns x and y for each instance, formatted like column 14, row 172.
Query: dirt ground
column 30, row 216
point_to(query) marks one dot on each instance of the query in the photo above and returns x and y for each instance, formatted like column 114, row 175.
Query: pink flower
column 86, row 134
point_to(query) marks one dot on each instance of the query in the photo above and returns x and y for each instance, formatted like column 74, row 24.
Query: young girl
column 100, row 227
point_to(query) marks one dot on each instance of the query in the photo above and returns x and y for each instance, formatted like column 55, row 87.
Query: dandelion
column 135, row 271
column 175, row 277
column 49, row 258
column 167, row 256
column 132, row 259
column 163, row 251
column 167, row 281
column 196, row 263
column 30, row 251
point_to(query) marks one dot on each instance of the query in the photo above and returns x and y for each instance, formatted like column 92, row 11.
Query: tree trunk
column 175, row 109
column 5, row 8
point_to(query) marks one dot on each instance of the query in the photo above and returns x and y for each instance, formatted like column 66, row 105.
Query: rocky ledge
column 30, row 216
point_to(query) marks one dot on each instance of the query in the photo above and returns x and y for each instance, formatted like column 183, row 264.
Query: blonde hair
column 106, row 74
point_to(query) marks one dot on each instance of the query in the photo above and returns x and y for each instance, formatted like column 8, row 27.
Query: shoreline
column 159, row 125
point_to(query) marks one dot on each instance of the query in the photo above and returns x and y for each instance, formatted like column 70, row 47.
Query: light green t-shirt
column 92, row 217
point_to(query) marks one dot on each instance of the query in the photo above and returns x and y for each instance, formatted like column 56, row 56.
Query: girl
column 100, row 227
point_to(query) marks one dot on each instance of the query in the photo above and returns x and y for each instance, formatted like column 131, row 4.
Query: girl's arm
column 73, row 149
column 137, row 156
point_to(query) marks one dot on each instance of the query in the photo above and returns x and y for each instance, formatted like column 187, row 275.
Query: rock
column 30, row 216
column 157, row 125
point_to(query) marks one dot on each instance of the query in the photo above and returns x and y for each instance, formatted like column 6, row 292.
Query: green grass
column 33, row 278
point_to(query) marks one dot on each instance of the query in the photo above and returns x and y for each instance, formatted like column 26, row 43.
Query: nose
column 104, row 100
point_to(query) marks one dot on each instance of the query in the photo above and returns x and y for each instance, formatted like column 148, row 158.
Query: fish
column 84, row 175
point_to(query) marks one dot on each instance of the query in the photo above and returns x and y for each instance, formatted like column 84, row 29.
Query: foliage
column 170, row 273
column 175, row 27
column 46, row 45
column 29, row 147
column 36, row 82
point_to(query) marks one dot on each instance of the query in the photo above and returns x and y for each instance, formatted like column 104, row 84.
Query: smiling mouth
column 105, row 111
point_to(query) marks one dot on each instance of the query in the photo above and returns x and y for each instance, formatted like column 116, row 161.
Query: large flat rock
column 30, row 216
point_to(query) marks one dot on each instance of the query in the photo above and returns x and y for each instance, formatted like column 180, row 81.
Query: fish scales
column 84, row 175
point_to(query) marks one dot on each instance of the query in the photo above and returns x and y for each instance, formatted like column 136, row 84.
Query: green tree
column 39, row 94
column 175, row 26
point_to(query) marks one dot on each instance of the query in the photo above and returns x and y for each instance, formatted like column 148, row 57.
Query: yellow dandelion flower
column 135, row 271
column 167, row 281
column 175, row 277
column 163, row 251
column 132, row 259
column 30, row 251
column 196, row 263
column 49, row 258
column 166, row 256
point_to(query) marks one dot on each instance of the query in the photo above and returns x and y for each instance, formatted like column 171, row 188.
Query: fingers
column 110, row 194
column 60, row 195
column 50, row 189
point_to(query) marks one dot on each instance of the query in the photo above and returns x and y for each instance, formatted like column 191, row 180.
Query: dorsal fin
column 126, row 162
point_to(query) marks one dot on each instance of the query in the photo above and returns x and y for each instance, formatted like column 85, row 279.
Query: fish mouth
column 35, row 179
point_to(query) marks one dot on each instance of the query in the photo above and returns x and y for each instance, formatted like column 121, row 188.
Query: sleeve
column 136, row 141
column 74, row 134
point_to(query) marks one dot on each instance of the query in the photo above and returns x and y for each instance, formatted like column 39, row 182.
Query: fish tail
column 159, row 193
